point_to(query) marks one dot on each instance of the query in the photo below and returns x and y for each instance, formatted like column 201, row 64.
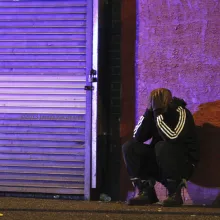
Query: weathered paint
column 178, row 47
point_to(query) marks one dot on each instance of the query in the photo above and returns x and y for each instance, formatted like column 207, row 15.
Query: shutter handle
column 93, row 76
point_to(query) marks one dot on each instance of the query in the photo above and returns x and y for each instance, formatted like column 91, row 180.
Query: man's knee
column 159, row 147
column 127, row 146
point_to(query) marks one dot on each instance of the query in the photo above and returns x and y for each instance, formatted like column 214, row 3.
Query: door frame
column 91, row 98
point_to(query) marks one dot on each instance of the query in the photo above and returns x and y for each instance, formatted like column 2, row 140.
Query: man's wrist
column 158, row 111
column 149, row 111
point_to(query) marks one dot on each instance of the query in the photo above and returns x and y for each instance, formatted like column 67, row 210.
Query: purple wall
column 178, row 47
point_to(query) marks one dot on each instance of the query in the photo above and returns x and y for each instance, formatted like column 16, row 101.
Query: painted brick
column 178, row 47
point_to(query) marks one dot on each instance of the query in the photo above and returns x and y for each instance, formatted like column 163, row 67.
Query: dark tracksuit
column 173, row 152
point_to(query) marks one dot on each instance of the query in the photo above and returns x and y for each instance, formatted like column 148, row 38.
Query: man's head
column 162, row 95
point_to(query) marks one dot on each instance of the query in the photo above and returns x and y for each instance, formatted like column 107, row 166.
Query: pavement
column 57, row 209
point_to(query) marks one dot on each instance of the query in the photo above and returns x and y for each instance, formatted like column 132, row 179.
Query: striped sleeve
column 166, row 129
column 143, row 129
column 138, row 125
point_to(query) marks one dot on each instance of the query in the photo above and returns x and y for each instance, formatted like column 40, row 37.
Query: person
column 171, row 156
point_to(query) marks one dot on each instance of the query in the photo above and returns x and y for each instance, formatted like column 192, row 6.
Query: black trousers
column 162, row 161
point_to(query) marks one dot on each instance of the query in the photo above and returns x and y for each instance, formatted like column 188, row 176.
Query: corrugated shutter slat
column 42, row 97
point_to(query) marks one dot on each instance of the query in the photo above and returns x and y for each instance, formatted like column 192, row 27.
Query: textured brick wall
column 109, row 147
column 178, row 47
column 115, row 56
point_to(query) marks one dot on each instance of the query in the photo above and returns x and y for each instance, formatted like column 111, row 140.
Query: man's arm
column 143, row 129
column 173, row 124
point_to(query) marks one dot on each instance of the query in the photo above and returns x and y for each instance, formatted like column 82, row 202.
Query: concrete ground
column 48, row 209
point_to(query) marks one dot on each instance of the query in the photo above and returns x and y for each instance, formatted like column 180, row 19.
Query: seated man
column 171, row 156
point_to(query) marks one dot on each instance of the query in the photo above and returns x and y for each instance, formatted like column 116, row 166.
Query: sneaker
column 174, row 194
column 146, row 193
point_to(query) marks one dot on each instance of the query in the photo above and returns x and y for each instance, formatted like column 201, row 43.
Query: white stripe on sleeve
column 138, row 125
column 172, row 134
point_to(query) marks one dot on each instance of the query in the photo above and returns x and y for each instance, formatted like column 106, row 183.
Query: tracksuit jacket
column 175, row 125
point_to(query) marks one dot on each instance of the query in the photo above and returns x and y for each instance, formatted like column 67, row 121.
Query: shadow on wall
column 207, row 119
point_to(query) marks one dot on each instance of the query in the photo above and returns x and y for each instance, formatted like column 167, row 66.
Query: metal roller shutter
column 44, row 57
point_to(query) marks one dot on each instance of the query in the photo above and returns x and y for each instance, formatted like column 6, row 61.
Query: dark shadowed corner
column 207, row 119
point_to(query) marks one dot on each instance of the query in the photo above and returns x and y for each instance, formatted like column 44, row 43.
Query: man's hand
column 157, row 100
column 160, row 98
